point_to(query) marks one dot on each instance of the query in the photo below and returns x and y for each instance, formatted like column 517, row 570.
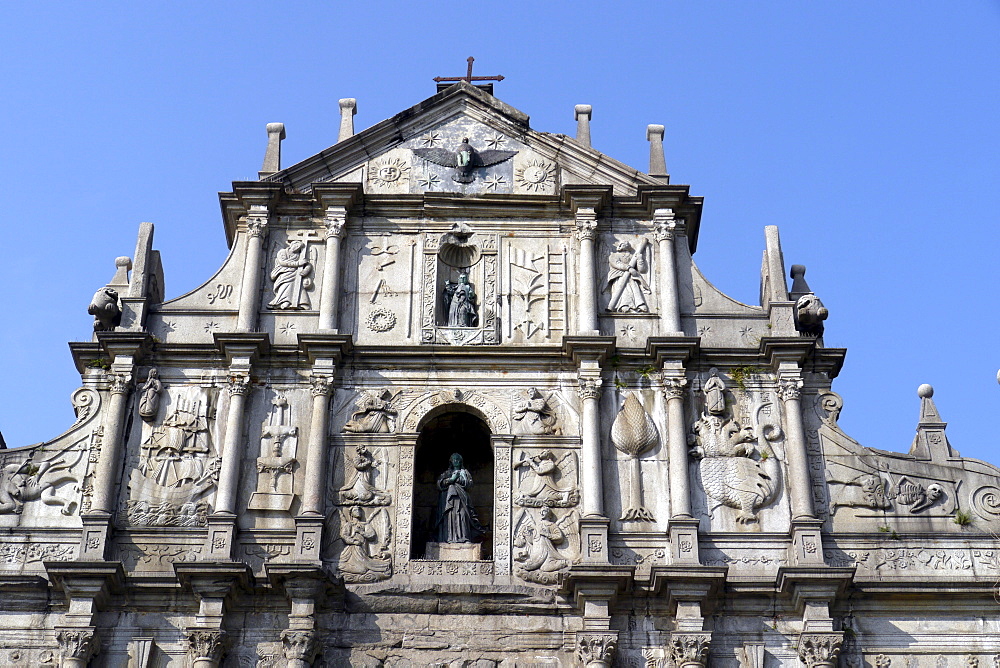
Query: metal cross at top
column 468, row 75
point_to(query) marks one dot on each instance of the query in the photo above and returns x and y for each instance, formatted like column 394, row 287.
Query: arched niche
column 445, row 430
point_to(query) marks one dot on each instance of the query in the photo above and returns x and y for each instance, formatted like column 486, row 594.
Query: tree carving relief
column 634, row 434
column 178, row 466
column 737, row 466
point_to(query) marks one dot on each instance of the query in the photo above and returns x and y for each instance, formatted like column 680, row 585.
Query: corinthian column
column 790, row 390
column 820, row 650
column 232, row 450
column 677, row 448
column 205, row 647
column 252, row 268
column 335, row 220
column 109, row 464
column 312, row 495
column 593, row 494
column 76, row 646
column 666, row 227
column 586, row 230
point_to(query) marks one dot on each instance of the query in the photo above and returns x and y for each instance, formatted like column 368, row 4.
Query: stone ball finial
column 124, row 261
column 798, row 271
column 583, row 110
column 349, row 103
column 276, row 128
column 925, row 391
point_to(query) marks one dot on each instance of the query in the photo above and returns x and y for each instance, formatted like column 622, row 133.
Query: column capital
column 121, row 383
column 238, row 384
column 690, row 649
column 257, row 220
column 789, row 389
column 590, row 387
column 673, row 386
column 586, row 223
column 335, row 221
column 666, row 226
column 77, row 643
column 320, row 385
column 596, row 649
column 299, row 644
column 205, row 644
column 818, row 650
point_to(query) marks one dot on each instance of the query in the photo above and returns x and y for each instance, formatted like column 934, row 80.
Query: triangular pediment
column 423, row 149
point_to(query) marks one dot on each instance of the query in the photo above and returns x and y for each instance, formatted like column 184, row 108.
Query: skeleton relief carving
column 178, row 466
column 23, row 480
column 737, row 465
column 276, row 463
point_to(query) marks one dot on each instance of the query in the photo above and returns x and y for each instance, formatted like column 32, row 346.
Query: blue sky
column 869, row 132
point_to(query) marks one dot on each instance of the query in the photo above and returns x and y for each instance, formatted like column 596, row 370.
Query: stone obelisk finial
column 583, row 113
column 348, row 108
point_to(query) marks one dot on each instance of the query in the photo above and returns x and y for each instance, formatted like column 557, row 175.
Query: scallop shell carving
column 633, row 431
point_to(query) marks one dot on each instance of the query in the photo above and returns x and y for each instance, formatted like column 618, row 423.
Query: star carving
column 429, row 181
column 494, row 182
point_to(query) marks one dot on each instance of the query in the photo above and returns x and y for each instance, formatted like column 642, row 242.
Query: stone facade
column 254, row 472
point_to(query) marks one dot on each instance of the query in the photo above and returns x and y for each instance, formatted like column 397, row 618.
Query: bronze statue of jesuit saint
column 456, row 518
column 460, row 303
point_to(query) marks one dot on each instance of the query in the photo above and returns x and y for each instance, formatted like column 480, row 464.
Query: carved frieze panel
column 493, row 406
column 177, row 464
column 463, row 155
column 735, row 446
column 277, row 461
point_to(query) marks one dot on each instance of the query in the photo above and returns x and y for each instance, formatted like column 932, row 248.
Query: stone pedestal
column 454, row 551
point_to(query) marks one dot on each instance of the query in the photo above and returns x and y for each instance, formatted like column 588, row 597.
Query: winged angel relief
column 546, row 541
column 465, row 159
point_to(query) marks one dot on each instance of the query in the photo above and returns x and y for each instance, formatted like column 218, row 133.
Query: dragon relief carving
column 737, row 466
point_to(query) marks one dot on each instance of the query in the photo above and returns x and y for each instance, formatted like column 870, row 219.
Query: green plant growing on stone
column 889, row 530
column 963, row 518
column 740, row 374
column 99, row 363
column 646, row 371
